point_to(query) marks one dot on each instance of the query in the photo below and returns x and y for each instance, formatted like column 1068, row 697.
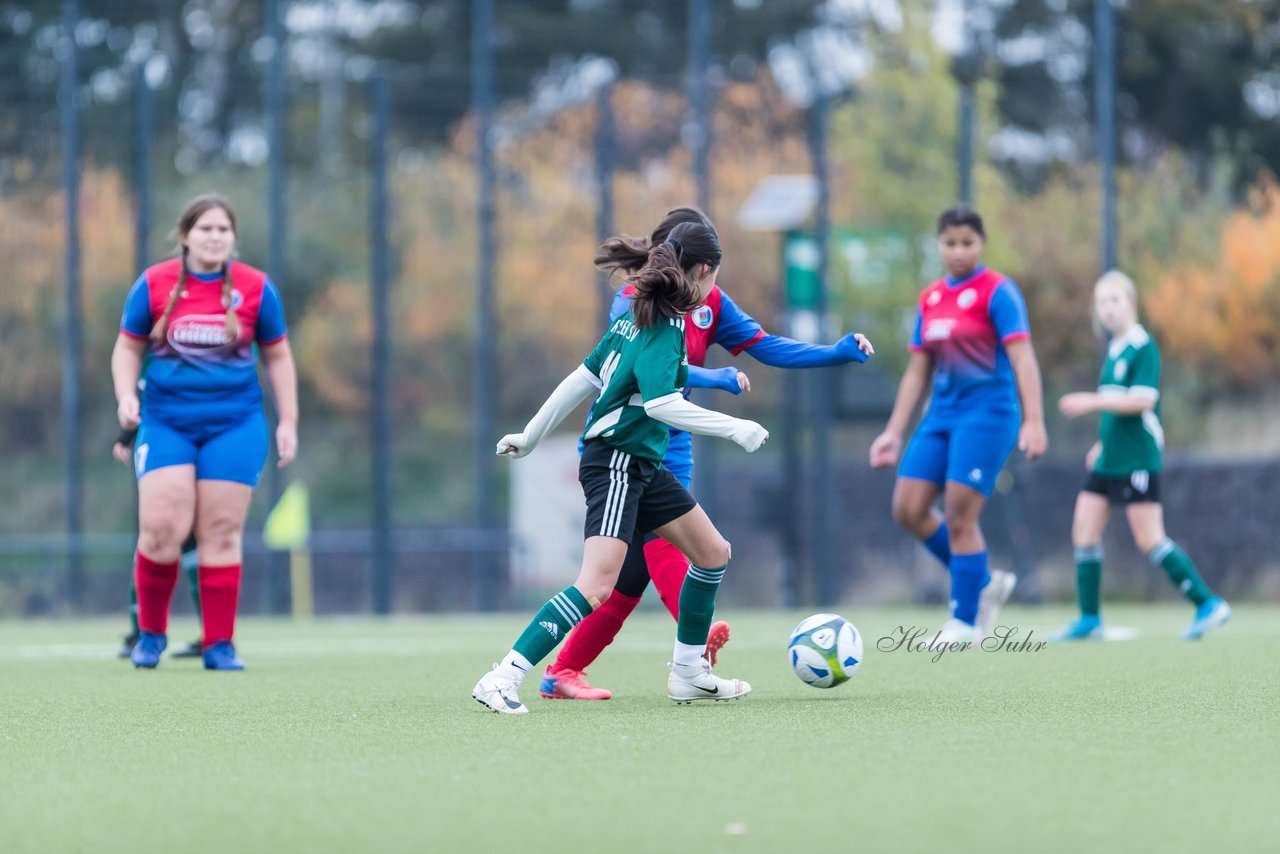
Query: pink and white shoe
column 570, row 685
column 717, row 637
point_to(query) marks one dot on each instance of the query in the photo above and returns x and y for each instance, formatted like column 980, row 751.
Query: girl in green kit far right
column 1124, row 466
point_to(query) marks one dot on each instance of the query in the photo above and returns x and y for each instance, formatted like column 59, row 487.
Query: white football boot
column 994, row 595
column 498, row 694
column 696, row 682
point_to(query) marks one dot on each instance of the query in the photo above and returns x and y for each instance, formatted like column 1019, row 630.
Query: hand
column 855, row 347
column 286, row 443
column 514, row 445
column 885, row 450
column 1091, row 458
column 1077, row 403
column 122, row 453
column 1033, row 440
column 751, row 436
column 744, row 384
column 128, row 412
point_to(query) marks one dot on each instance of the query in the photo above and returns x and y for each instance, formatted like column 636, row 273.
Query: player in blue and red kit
column 202, row 437
column 717, row 321
column 972, row 339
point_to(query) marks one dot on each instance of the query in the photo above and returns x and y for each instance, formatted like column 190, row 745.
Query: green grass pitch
column 361, row 735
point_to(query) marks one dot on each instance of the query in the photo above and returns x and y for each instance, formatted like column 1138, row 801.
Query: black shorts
column 1132, row 489
column 627, row 495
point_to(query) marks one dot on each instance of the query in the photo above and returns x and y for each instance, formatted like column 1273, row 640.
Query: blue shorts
column 967, row 449
column 234, row 451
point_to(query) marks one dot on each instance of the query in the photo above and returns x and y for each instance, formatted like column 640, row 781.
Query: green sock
column 1089, row 579
column 191, row 567
column 553, row 621
column 697, row 605
column 133, row 607
column 1181, row 571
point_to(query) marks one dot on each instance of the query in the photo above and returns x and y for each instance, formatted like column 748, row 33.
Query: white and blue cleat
column 146, row 652
column 1087, row 627
column 1213, row 612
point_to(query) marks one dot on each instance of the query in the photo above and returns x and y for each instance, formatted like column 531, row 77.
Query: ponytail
column 232, row 322
column 664, row 285
column 622, row 254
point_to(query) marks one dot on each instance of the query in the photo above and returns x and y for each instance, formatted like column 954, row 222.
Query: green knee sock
column 1181, row 571
column 133, row 607
column 553, row 621
column 697, row 604
column 1089, row 579
column 191, row 567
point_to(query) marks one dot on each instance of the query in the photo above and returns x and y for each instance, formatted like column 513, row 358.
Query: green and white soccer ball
column 825, row 650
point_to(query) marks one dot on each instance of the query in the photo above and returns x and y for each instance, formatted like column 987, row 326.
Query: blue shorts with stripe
column 969, row 449
column 627, row 496
column 232, row 451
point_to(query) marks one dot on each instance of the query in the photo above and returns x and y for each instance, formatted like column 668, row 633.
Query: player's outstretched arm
column 673, row 410
column 728, row 379
column 779, row 352
column 1079, row 403
column 1032, row 438
column 574, row 389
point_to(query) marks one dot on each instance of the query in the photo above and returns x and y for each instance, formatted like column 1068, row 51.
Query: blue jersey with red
column 196, row 377
column 717, row 321
column 964, row 324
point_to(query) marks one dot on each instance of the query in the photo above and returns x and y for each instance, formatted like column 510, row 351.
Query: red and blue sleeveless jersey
column 195, row 376
column 964, row 324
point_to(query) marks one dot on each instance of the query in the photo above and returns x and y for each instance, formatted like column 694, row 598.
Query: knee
column 908, row 515
column 713, row 554
column 159, row 536
column 219, row 534
column 1148, row 542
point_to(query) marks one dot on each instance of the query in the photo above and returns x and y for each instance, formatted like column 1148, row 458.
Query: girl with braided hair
column 202, row 436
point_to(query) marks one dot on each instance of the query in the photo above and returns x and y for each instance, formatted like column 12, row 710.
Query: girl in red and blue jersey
column 202, row 436
column 973, row 341
column 720, row 321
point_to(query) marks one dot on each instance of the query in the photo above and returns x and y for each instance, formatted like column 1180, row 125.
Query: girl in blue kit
column 202, row 437
column 973, row 341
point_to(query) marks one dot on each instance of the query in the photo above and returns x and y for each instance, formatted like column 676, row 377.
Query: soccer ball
column 825, row 650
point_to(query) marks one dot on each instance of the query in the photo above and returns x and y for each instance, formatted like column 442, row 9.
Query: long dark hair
column 195, row 209
column 626, row 254
column 664, row 286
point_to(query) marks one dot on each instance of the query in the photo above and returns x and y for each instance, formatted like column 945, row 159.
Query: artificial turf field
column 361, row 735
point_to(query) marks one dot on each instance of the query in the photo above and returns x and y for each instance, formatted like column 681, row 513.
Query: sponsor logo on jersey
column 702, row 317
column 939, row 329
column 967, row 298
column 199, row 333
column 237, row 298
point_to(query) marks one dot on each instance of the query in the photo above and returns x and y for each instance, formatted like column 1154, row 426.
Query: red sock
column 667, row 567
column 589, row 638
column 219, row 589
column 155, row 582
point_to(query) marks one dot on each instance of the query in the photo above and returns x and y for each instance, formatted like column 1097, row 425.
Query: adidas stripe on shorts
column 627, row 495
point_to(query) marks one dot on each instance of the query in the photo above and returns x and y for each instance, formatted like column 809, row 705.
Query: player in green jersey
column 1124, row 465
column 636, row 373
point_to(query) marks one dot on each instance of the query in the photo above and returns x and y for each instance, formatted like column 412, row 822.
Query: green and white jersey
column 636, row 365
column 1131, row 443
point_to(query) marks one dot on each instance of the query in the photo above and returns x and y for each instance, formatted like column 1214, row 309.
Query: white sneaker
column 995, row 594
column 498, row 694
column 953, row 631
column 702, row 684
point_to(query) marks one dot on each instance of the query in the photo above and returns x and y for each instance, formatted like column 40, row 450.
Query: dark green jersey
column 634, row 366
column 1131, row 443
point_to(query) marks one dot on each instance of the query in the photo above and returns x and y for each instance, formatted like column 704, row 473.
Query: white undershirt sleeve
column 574, row 389
column 674, row 410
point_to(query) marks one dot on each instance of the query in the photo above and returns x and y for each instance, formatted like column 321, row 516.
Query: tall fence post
column 144, row 130
column 380, row 282
column 606, row 155
column 1105, row 104
column 73, row 322
column 484, row 389
column 277, row 254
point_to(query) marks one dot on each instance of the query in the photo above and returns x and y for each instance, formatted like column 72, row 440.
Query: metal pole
column 606, row 154
column 484, row 373
column 821, row 380
column 964, row 146
column 1105, row 104
column 277, row 256
column 698, row 135
column 144, row 130
column 380, row 279
column 792, row 468
column 72, row 331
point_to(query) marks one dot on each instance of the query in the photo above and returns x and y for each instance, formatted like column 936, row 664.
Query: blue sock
column 968, row 576
column 939, row 545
